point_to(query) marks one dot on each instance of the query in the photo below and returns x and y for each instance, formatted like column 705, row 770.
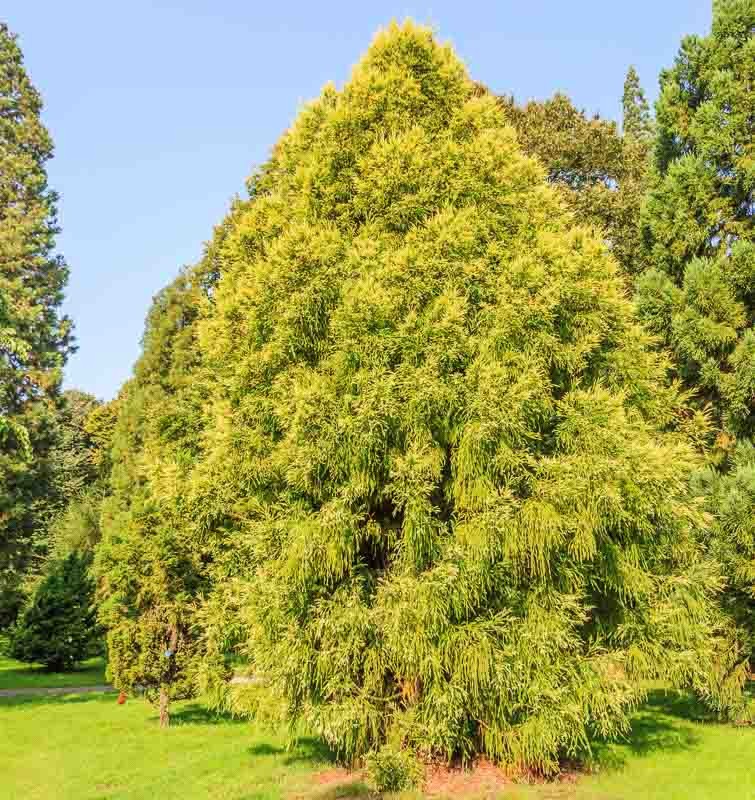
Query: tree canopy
column 698, row 294
column 602, row 175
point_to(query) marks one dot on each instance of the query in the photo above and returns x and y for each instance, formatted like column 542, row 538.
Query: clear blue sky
column 160, row 110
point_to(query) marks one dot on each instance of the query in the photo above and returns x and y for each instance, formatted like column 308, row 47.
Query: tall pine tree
column 454, row 476
column 34, row 337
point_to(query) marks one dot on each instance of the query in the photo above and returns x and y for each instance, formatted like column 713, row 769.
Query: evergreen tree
column 72, row 467
column 699, row 294
column 59, row 627
column 638, row 124
column 450, row 474
column 152, row 569
column 81, row 474
column 34, row 338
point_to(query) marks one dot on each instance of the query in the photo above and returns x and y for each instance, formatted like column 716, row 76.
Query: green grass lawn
column 82, row 747
column 673, row 754
column 88, row 747
column 15, row 675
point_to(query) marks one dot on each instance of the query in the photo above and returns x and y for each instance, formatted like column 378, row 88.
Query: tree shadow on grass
column 262, row 749
column 310, row 748
column 679, row 704
column 304, row 749
column 344, row 791
column 197, row 714
column 659, row 725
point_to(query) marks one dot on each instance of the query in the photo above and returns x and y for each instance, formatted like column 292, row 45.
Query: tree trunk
column 164, row 714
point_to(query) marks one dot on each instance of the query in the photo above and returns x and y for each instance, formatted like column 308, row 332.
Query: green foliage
column 601, row 175
column 152, row 568
column 59, row 628
column 99, row 426
column 638, row 123
column 698, row 217
column 83, row 467
column 73, row 470
column 26, row 493
column 731, row 498
column 446, row 479
column 34, row 337
column 698, row 295
column 707, row 325
column 391, row 769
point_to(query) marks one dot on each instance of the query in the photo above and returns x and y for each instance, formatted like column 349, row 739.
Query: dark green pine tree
column 34, row 338
column 699, row 295
column 453, row 476
column 59, row 626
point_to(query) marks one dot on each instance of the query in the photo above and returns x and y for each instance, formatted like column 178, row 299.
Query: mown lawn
column 86, row 747
column 82, row 747
column 674, row 753
column 15, row 675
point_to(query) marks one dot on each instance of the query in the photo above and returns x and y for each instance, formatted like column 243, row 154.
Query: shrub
column 392, row 769
column 58, row 628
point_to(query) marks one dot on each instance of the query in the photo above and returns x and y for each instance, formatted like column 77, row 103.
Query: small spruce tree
column 59, row 626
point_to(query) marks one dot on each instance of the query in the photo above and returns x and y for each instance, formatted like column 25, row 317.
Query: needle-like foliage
column 699, row 292
column 698, row 217
column 149, row 570
column 445, row 455
column 35, row 337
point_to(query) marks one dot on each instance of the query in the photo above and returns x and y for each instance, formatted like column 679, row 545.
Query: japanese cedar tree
column 447, row 451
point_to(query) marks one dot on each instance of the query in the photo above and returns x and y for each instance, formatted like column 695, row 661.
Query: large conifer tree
column 453, row 471
column 34, row 337
column 152, row 569
column 699, row 295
